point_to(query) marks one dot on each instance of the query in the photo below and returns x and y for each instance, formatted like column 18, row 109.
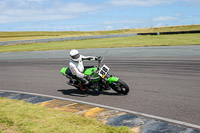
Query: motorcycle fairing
column 90, row 70
column 95, row 77
column 63, row 70
column 113, row 79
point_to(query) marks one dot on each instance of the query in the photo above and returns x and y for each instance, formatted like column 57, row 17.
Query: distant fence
column 92, row 37
column 174, row 32
column 65, row 39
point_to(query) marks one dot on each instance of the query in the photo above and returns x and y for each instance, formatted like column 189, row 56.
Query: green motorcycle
column 100, row 79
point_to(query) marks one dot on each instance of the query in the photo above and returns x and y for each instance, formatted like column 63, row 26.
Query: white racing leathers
column 77, row 67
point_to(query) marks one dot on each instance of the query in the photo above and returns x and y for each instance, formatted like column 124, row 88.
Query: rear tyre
column 120, row 87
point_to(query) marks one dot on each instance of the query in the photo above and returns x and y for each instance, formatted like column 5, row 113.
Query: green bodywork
column 63, row 70
column 90, row 70
column 113, row 79
column 95, row 77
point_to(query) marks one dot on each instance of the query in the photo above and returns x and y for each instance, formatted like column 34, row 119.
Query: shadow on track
column 77, row 93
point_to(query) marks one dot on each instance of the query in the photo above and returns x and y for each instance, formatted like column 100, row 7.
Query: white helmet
column 74, row 54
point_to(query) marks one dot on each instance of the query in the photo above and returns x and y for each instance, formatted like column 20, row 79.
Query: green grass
column 137, row 41
column 12, row 36
column 20, row 117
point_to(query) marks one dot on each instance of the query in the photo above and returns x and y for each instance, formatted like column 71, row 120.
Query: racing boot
column 84, row 81
column 70, row 82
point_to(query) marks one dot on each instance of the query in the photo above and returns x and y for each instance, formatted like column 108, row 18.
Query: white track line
column 114, row 108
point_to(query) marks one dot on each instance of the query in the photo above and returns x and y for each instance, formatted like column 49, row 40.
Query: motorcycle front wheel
column 120, row 87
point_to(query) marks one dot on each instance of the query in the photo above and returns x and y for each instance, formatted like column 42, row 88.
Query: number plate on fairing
column 103, row 71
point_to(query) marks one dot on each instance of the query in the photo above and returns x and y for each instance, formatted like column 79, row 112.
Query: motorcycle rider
column 76, row 65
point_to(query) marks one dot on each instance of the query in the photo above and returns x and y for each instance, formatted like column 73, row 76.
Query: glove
column 99, row 58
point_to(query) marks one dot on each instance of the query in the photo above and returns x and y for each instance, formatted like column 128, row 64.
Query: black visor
column 76, row 56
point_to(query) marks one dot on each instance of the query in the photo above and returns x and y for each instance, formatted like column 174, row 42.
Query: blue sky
column 92, row 15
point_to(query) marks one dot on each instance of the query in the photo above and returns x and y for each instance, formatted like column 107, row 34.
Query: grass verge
column 13, row 36
column 137, row 41
column 18, row 116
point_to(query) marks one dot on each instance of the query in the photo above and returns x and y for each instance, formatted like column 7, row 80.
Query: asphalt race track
column 163, row 86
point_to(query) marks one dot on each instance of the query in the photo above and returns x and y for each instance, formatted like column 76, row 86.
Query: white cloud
column 122, row 22
column 159, row 25
column 148, row 2
column 41, row 10
column 76, row 8
column 140, row 2
column 45, row 27
column 109, row 27
column 167, row 18
column 193, row 1
column 36, row 1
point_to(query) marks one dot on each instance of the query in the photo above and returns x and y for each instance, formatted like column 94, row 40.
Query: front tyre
column 120, row 87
